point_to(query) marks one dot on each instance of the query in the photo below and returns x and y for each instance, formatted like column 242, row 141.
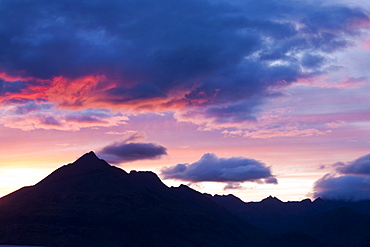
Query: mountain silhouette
column 91, row 203
column 342, row 226
column 333, row 223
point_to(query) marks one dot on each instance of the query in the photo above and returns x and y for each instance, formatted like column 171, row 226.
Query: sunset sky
column 244, row 97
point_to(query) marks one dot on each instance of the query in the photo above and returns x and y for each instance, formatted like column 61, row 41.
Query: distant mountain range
column 91, row 203
column 333, row 223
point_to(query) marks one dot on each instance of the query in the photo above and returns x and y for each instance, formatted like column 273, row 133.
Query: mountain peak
column 271, row 199
column 90, row 159
column 90, row 154
column 87, row 163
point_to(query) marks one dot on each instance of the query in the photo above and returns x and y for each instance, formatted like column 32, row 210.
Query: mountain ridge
column 91, row 203
column 335, row 223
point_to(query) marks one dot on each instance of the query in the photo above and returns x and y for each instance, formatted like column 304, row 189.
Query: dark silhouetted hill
column 341, row 227
column 335, row 223
column 91, row 203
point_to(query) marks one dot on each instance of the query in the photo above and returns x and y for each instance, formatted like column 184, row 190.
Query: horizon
column 227, row 97
column 131, row 171
column 134, row 171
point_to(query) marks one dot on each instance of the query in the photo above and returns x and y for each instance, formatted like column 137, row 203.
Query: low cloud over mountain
column 213, row 169
column 129, row 150
column 350, row 181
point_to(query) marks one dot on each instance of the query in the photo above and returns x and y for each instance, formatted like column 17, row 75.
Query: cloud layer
column 210, row 168
column 349, row 182
column 31, row 116
column 212, row 61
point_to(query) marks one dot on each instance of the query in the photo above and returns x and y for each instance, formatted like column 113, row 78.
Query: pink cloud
column 324, row 81
column 281, row 132
column 366, row 45
column 120, row 133
column 331, row 120
column 35, row 116
column 335, row 124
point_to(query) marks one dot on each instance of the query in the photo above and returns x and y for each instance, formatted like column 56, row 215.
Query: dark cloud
column 347, row 188
column 233, row 113
column 220, row 57
column 11, row 87
column 139, row 92
column 121, row 152
column 312, row 61
column 271, row 180
column 350, row 182
column 211, row 168
column 361, row 166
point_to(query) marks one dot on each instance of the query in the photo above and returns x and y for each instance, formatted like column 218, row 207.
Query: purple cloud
column 360, row 166
column 350, row 182
column 343, row 188
column 30, row 106
column 123, row 151
column 211, row 168
column 11, row 87
column 233, row 186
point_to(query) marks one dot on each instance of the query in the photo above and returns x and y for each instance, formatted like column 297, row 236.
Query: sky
column 251, row 98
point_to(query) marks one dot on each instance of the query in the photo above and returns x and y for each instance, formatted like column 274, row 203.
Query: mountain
column 335, row 223
column 342, row 226
column 91, row 203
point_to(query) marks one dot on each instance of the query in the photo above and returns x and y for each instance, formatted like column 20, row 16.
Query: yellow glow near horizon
column 15, row 178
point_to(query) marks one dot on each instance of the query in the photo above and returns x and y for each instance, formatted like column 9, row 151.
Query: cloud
column 273, row 133
column 212, row 61
column 360, row 166
column 349, row 182
column 276, row 131
column 31, row 115
column 346, row 188
column 135, row 136
column 126, row 151
column 335, row 124
column 30, row 106
column 341, row 82
column 117, row 132
column 271, row 180
column 233, row 186
column 211, row 168
column 11, row 87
